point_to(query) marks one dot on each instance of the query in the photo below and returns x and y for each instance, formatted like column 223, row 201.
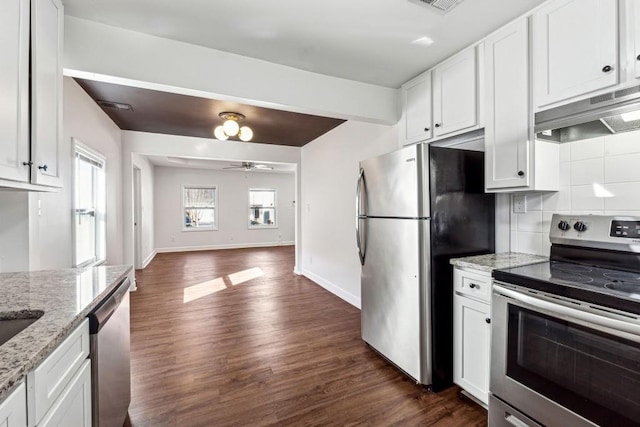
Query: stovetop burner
column 571, row 273
column 623, row 276
column 630, row 288
column 572, row 268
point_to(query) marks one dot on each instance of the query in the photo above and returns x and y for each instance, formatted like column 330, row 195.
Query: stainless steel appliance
column 110, row 358
column 418, row 207
column 605, row 114
column 565, row 343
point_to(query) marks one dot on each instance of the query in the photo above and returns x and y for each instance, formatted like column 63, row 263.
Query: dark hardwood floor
column 235, row 338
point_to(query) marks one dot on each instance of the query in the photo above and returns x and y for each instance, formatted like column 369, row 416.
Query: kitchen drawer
column 46, row 382
column 473, row 284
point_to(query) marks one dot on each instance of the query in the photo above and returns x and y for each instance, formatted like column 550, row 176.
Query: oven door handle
column 610, row 324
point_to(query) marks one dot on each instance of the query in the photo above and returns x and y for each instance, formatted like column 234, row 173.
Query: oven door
column 564, row 363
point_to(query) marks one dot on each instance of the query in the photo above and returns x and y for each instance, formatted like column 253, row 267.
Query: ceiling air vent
column 442, row 6
column 116, row 105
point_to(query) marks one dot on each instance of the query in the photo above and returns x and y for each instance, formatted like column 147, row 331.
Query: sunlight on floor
column 245, row 275
column 203, row 289
column 210, row 287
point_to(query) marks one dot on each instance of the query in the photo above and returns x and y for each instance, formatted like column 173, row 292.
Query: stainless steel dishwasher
column 110, row 358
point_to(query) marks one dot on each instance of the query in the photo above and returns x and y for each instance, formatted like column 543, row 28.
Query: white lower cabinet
column 13, row 410
column 471, row 339
column 73, row 407
column 59, row 388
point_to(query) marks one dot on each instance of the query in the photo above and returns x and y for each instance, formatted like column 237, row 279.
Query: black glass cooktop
column 610, row 288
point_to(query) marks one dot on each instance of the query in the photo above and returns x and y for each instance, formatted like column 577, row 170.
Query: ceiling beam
column 105, row 53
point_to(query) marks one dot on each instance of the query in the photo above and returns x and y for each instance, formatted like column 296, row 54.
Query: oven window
column 594, row 374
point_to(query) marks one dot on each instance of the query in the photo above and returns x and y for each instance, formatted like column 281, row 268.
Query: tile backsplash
column 597, row 176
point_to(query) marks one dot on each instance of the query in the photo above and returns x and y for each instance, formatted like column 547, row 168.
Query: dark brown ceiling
column 174, row 114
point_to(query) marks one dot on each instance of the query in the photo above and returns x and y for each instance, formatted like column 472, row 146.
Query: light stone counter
column 65, row 297
column 492, row 262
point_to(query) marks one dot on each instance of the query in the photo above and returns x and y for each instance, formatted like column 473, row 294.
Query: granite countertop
column 64, row 296
column 492, row 262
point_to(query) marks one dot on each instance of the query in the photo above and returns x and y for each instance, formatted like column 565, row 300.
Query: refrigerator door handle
column 361, row 252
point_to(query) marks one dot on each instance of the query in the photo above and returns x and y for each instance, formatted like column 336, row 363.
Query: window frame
column 275, row 208
column 100, row 242
column 215, row 207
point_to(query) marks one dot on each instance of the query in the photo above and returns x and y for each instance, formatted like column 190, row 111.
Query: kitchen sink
column 12, row 323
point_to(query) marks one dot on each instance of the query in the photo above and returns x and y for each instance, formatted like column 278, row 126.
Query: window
column 199, row 211
column 262, row 208
column 89, row 206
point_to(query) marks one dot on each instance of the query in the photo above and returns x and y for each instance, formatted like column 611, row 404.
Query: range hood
column 606, row 114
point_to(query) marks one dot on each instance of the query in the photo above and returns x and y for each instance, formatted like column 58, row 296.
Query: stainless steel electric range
column 565, row 343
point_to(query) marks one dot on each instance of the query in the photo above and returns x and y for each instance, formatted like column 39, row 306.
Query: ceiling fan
column 247, row 166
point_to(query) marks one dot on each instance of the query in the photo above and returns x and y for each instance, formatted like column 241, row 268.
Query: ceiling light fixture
column 231, row 127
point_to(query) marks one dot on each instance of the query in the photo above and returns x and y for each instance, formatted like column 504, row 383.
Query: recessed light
column 423, row 41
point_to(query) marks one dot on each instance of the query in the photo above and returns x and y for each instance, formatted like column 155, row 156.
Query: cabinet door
column 636, row 41
column 46, row 86
column 455, row 94
column 575, row 47
column 471, row 335
column 48, row 381
column 507, row 111
column 416, row 109
column 14, row 87
column 73, row 407
column 13, row 410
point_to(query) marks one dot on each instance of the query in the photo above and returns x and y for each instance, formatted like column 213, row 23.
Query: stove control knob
column 580, row 226
column 564, row 225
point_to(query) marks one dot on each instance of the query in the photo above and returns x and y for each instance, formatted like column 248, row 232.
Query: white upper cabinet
column 507, row 109
column 514, row 160
column 575, row 49
column 14, row 87
column 455, row 93
column 46, row 105
column 415, row 125
column 637, row 40
column 634, row 31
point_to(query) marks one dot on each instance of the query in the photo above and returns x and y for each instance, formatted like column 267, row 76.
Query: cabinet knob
column 487, row 320
column 43, row 167
column 426, row 129
column 607, row 68
column 638, row 57
column 438, row 125
column 27, row 163
column 473, row 286
column 520, row 173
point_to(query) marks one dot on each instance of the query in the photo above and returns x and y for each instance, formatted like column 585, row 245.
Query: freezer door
column 391, row 292
column 396, row 184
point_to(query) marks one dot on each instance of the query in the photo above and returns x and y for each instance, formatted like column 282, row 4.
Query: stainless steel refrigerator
column 417, row 208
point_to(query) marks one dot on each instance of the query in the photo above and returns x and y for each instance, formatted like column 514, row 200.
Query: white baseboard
column 148, row 259
column 227, row 246
column 334, row 289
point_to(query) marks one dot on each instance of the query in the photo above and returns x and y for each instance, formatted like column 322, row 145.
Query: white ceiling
column 211, row 164
column 363, row 40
